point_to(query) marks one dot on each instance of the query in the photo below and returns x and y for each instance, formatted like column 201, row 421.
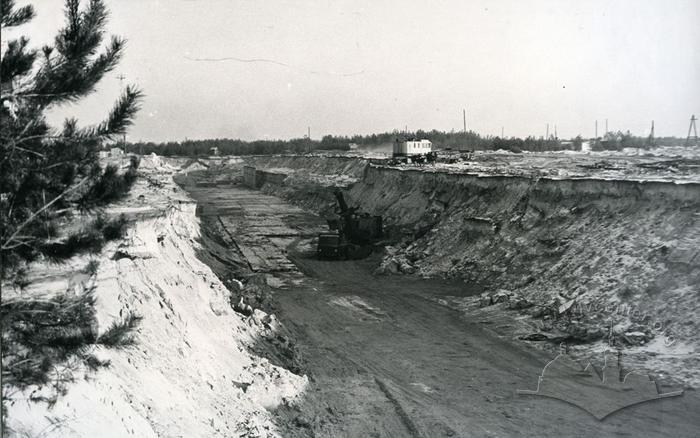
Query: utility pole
column 308, row 138
column 650, row 140
column 556, row 136
column 694, row 128
column 546, row 137
column 464, row 118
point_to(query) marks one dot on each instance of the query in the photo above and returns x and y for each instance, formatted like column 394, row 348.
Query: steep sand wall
column 333, row 165
column 191, row 372
column 582, row 240
column 310, row 180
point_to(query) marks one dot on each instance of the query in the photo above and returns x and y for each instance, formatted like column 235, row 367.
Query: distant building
column 353, row 145
column 214, row 150
column 103, row 154
column 412, row 147
column 116, row 152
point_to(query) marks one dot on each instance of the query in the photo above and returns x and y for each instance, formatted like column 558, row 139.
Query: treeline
column 461, row 141
column 456, row 141
column 440, row 139
column 226, row 146
column 617, row 141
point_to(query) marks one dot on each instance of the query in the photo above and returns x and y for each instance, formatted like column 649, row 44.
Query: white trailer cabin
column 412, row 147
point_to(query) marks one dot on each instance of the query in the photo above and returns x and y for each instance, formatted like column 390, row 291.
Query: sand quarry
column 488, row 266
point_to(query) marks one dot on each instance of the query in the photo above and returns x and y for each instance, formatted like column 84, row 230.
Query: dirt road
column 386, row 359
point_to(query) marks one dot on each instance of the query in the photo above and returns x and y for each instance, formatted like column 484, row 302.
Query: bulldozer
column 350, row 232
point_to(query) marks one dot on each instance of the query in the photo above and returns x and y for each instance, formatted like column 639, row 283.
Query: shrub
column 92, row 267
column 90, row 239
column 114, row 229
column 119, row 334
column 45, row 341
column 110, row 185
column 40, row 334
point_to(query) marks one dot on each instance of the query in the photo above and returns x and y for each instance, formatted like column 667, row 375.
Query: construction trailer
column 411, row 148
column 407, row 151
column 350, row 234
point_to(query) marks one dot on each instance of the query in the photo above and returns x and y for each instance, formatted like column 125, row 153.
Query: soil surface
column 385, row 358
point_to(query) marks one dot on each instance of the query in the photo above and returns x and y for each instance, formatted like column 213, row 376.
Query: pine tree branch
column 20, row 94
column 72, row 73
column 70, row 79
column 27, row 127
column 25, row 242
column 120, row 117
column 11, row 17
column 29, row 151
column 8, row 242
column 37, row 161
column 108, row 60
column 16, row 61
column 83, row 32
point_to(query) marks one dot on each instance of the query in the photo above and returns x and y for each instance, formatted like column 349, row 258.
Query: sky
column 261, row 69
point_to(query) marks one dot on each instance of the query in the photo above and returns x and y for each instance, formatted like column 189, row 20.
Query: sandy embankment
column 566, row 242
column 190, row 373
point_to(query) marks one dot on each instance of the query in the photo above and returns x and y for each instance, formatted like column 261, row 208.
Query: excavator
column 350, row 232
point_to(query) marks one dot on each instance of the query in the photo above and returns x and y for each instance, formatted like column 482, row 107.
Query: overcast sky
column 260, row 69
